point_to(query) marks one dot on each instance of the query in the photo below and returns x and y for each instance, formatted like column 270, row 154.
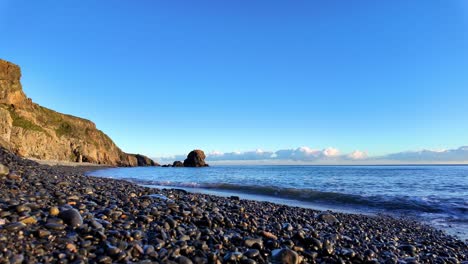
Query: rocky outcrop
column 145, row 161
column 33, row 131
column 177, row 164
column 196, row 158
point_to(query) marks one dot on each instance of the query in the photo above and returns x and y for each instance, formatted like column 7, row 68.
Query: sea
column 434, row 195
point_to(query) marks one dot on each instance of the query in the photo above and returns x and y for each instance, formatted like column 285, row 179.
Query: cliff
column 33, row 131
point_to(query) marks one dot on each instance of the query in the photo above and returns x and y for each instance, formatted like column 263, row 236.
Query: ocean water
column 436, row 195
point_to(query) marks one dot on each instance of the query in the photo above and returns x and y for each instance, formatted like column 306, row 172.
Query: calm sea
column 437, row 195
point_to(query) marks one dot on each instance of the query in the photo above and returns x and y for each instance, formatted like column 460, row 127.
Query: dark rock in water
column 196, row 158
column 71, row 217
column 177, row 164
column 285, row 256
column 4, row 170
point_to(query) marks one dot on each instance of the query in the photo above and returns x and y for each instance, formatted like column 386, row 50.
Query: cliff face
column 33, row 131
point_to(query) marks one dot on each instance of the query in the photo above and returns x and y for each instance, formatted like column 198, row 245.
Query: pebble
column 4, row 170
column 269, row 235
column 252, row 253
column 54, row 211
column 13, row 176
column 29, row 220
column 15, row 226
column 254, row 242
column 285, row 256
column 328, row 218
column 71, row 217
column 55, row 226
column 112, row 221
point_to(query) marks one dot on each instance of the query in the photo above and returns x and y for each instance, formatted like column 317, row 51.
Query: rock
column 409, row 249
column 33, row 131
column 43, row 233
column 15, row 226
column 29, row 220
column 55, row 226
column 4, row 170
column 177, row 164
column 285, row 256
column 328, row 218
column 71, row 217
column 254, row 242
column 54, row 211
column 144, row 161
column 184, row 260
column 14, row 176
column 269, row 235
column 252, row 253
column 17, row 259
column 233, row 257
column 196, row 158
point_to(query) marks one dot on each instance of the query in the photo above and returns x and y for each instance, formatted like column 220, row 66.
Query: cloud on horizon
column 330, row 155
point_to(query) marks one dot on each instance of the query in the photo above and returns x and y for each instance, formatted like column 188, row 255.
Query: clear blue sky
column 164, row 77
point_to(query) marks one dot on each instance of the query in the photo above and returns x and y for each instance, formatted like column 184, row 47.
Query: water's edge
column 424, row 211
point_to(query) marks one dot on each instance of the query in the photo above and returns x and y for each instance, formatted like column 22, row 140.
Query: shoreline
column 119, row 221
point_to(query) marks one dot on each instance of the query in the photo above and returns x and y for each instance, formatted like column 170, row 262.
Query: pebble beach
column 56, row 214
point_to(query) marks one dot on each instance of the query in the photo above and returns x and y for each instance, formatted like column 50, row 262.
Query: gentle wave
column 396, row 203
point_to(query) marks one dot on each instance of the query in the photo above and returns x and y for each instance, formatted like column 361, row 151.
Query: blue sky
column 164, row 77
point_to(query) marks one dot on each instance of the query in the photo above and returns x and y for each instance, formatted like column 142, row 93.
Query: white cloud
column 331, row 152
column 330, row 155
column 357, row 155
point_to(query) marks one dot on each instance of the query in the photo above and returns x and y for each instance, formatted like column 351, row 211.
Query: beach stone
column 55, row 226
column 328, row 218
column 43, row 233
column 184, row 260
column 287, row 227
column 4, row 170
column 233, row 256
column 285, row 256
column 15, row 226
column 269, row 235
column 252, row 253
column 17, row 259
column 29, row 220
column 71, row 217
column 196, row 158
column 13, row 176
column 22, row 208
column 254, row 242
column 54, row 211
column 409, row 249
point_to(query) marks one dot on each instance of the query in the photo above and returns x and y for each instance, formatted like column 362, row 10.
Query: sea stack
column 196, row 158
